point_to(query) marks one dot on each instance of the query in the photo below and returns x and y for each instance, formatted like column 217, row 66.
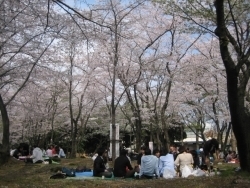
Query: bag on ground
column 68, row 172
column 167, row 174
column 198, row 172
column 186, row 171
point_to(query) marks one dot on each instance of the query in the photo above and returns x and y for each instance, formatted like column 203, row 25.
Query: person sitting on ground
column 12, row 150
column 61, row 153
column 49, row 152
column 183, row 159
column 142, row 152
column 18, row 152
column 106, row 161
column 99, row 168
column 211, row 148
column 149, row 165
column 122, row 166
column 36, row 157
column 231, row 157
column 54, row 151
column 166, row 162
column 221, row 154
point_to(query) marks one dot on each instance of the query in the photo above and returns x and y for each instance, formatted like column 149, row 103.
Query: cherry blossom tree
column 23, row 44
column 229, row 21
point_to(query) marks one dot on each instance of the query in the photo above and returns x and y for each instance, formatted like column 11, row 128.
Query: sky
column 79, row 3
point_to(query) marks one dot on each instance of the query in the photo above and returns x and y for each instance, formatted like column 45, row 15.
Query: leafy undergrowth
column 17, row 174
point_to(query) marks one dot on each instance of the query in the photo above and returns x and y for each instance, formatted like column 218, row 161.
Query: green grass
column 17, row 174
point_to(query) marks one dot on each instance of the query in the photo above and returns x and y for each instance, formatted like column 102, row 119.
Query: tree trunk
column 167, row 139
column 5, row 147
column 227, row 135
column 237, row 79
column 74, row 141
column 138, row 134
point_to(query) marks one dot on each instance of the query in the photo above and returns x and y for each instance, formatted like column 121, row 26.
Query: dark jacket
column 120, row 166
column 210, row 147
column 139, row 159
column 99, row 166
column 175, row 154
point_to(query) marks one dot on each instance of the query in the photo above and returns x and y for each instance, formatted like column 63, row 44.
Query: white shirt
column 37, row 155
column 61, row 153
column 49, row 153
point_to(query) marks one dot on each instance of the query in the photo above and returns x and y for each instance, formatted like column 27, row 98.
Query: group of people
column 122, row 165
column 152, row 165
column 37, row 154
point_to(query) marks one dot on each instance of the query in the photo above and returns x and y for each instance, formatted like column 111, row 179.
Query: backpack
column 68, row 172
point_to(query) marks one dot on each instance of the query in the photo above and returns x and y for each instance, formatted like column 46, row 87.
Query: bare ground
column 17, row 174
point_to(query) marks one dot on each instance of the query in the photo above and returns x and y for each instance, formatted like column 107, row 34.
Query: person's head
column 143, row 148
column 147, row 151
column 156, row 152
column 35, row 145
column 123, row 152
column 20, row 148
column 182, row 149
column 172, row 148
column 101, row 152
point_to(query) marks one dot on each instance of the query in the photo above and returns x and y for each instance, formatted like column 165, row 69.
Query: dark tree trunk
column 5, row 147
column 228, row 127
column 74, row 141
column 237, row 79
column 138, row 134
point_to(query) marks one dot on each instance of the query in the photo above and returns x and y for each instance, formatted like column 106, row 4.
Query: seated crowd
column 148, row 165
column 37, row 154
column 153, row 165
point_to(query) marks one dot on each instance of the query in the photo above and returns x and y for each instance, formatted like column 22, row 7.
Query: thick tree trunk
column 241, row 130
column 5, row 147
column 237, row 79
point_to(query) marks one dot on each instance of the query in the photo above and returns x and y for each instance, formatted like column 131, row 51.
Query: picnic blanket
column 89, row 175
column 84, row 174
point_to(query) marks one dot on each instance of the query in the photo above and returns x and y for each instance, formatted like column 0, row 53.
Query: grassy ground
column 17, row 174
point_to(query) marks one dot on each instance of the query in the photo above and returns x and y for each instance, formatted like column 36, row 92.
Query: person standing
column 211, row 148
